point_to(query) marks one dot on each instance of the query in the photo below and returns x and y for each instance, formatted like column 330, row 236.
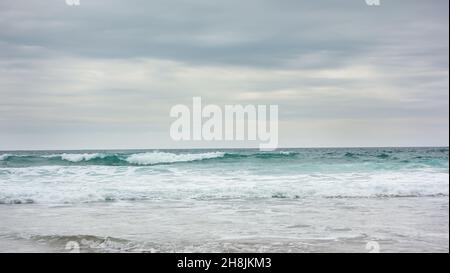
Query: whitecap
column 81, row 157
column 4, row 156
column 162, row 157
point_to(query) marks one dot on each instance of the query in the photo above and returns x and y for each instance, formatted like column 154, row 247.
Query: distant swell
column 150, row 158
column 141, row 159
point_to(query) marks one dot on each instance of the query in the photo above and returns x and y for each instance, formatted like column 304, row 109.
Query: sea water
column 225, row 200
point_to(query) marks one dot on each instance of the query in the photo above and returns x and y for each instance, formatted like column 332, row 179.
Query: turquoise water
column 297, row 200
column 305, row 159
column 50, row 176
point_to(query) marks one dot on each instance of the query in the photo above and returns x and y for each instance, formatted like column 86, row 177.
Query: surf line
column 234, row 123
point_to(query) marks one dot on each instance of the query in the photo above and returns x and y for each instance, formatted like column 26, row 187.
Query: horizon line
column 217, row 148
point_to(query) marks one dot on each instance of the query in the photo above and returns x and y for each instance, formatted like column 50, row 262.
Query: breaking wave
column 92, row 184
column 117, row 159
column 161, row 157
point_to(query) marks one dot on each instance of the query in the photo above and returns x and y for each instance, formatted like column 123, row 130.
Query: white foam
column 161, row 157
column 287, row 153
column 78, row 184
column 4, row 156
column 80, row 157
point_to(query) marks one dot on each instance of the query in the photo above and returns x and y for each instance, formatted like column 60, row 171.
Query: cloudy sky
column 106, row 73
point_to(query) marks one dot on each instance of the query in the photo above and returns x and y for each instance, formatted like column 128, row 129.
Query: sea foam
column 81, row 184
column 162, row 157
column 81, row 157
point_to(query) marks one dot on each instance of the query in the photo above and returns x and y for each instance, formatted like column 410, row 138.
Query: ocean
column 225, row 200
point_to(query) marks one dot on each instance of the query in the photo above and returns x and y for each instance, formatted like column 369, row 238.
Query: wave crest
column 162, row 157
column 81, row 157
column 4, row 157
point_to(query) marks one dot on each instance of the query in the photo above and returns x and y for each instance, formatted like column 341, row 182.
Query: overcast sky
column 106, row 73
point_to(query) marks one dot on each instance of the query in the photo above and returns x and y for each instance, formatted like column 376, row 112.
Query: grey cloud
column 111, row 64
column 224, row 32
